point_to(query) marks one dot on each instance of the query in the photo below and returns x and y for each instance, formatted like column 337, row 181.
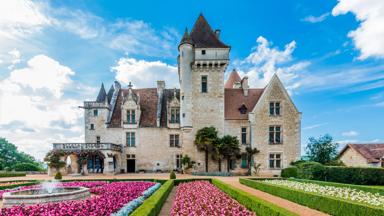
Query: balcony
column 87, row 146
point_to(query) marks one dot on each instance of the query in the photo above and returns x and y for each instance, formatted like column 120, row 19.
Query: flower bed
column 5, row 184
column 337, row 192
column 338, row 201
column 203, row 198
column 111, row 197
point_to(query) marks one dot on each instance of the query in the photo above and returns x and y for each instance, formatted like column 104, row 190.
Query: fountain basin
column 40, row 195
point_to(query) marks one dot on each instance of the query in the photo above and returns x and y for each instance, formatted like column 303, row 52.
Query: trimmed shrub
column 354, row 175
column 172, row 175
column 58, row 176
column 19, row 183
column 289, row 172
column 253, row 203
column 325, row 204
column 26, row 167
column 212, row 173
column 152, row 206
column 12, row 174
column 310, row 170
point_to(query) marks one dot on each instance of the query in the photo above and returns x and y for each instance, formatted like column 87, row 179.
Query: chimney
column 245, row 86
column 160, row 87
column 217, row 33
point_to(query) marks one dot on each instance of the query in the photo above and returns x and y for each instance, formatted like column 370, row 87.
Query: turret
column 186, row 57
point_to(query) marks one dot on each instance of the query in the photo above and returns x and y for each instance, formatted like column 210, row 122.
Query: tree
column 53, row 159
column 322, row 149
column 230, row 149
column 250, row 152
column 10, row 156
column 187, row 163
column 205, row 139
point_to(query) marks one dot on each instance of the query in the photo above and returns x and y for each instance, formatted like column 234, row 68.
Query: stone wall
column 352, row 158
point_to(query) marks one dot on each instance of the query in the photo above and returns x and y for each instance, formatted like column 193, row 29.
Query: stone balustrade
column 87, row 146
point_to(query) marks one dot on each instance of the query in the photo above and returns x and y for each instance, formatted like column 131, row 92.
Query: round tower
column 186, row 57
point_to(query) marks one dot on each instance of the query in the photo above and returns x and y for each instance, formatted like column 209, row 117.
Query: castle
column 150, row 129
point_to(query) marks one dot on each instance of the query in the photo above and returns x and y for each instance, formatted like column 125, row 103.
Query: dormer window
column 131, row 116
column 243, row 109
column 202, row 52
column 175, row 115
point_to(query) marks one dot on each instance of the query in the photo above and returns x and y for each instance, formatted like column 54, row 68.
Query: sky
column 55, row 54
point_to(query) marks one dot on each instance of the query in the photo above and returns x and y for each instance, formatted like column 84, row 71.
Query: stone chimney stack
column 245, row 86
column 160, row 87
column 160, row 93
column 217, row 33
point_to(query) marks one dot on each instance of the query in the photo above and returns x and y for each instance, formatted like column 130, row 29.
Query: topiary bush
column 311, row 170
column 26, row 167
column 289, row 172
column 172, row 175
column 58, row 176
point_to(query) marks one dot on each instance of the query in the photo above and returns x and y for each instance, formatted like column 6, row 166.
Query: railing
column 86, row 146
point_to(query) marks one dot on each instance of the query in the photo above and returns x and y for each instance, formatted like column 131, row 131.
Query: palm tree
column 218, row 152
column 230, row 148
column 250, row 152
column 205, row 139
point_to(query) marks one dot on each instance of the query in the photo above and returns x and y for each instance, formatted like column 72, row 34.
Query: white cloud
column 16, row 58
column 310, row 127
column 145, row 73
column 34, row 110
column 43, row 72
column 265, row 60
column 316, row 19
column 368, row 37
column 350, row 133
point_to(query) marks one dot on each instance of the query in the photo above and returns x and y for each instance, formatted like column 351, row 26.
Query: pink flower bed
column 201, row 198
column 110, row 198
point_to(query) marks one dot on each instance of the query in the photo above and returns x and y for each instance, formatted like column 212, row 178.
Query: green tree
column 250, row 153
column 230, row 149
column 205, row 140
column 53, row 159
column 322, row 149
column 10, row 156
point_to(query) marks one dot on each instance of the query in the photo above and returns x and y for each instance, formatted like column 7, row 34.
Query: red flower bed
column 110, row 198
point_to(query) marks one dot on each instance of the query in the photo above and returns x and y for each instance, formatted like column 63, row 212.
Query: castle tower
column 203, row 59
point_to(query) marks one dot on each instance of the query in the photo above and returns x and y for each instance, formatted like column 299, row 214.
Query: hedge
column 289, row 172
column 26, row 167
column 366, row 188
column 31, row 182
column 354, row 175
column 152, row 206
column 325, row 204
column 261, row 207
column 12, row 174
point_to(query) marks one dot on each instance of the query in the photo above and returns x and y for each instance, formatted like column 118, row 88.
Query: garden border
column 325, row 204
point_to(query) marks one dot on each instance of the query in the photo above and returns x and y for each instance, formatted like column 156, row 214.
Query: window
column 244, row 160
column 130, row 139
column 244, row 135
column 97, row 139
column 275, row 161
column 243, row 109
column 131, row 116
column 175, row 115
column 131, row 156
column 92, row 127
column 174, row 140
column 178, row 161
column 95, row 112
column 274, row 108
column 204, row 84
column 202, row 52
column 275, row 135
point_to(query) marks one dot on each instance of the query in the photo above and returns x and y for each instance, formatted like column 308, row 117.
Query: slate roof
column 110, row 93
column 234, row 99
column 148, row 105
column 186, row 38
column 232, row 79
column 203, row 36
column 372, row 152
column 102, row 94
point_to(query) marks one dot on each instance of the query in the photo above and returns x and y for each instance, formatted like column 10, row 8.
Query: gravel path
column 166, row 209
column 294, row 207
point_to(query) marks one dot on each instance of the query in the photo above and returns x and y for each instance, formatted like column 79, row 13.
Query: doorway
column 131, row 165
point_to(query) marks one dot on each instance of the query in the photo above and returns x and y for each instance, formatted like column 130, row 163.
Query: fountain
column 48, row 192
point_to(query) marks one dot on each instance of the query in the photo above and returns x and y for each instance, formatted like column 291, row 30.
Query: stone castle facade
column 150, row 129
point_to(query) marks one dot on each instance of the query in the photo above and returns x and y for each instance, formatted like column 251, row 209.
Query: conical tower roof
column 203, row 36
column 186, row 38
column 102, row 94
column 233, row 78
column 110, row 93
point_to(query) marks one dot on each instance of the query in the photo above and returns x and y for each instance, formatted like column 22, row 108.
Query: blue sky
column 55, row 54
